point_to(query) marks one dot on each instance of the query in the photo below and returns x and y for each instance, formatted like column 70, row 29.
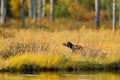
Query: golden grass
column 44, row 50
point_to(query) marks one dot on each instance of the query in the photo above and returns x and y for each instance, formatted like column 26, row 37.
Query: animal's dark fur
column 73, row 47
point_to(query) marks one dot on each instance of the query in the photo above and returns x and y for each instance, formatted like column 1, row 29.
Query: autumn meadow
column 31, row 38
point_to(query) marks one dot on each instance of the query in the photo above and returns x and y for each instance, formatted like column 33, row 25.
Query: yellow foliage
column 16, row 7
column 65, row 1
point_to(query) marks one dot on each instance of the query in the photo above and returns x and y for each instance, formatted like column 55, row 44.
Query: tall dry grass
column 28, row 48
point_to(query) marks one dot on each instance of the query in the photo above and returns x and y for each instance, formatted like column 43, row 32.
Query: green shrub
column 61, row 10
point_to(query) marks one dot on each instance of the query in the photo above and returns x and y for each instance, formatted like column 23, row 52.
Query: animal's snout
column 64, row 44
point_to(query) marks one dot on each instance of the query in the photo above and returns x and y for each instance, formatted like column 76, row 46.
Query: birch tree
column 119, row 12
column 43, row 8
column 97, row 13
column 3, row 10
column 34, row 11
column 114, row 15
column 22, row 13
column 41, row 11
column 52, row 10
column 31, row 8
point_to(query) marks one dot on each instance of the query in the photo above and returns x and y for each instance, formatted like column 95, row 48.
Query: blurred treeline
column 76, row 9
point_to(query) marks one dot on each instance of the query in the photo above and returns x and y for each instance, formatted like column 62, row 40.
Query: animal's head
column 68, row 44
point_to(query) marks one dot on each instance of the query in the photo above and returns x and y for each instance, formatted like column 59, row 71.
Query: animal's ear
column 68, row 42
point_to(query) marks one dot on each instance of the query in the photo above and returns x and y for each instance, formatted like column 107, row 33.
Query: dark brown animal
column 73, row 47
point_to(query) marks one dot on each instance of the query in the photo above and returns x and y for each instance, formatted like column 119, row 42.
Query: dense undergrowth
column 38, row 49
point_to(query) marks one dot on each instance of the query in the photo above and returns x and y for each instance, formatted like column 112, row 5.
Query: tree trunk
column 43, row 8
column 119, row 12
column 3, row 11
column 22, row 13
column 97, row 9
column 52, row 9
column 41, row 11
column 114, row 15
column 34, row 11
column 31, row 8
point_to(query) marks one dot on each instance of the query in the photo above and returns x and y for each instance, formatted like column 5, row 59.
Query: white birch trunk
column 34, row 11
column 43, row 8
column 97, row 9
column 31, row 8
column 114, row 15
column 3, row 11
column 41, row 11
column 119, row 12
column 22, row 13
column 52, row 10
